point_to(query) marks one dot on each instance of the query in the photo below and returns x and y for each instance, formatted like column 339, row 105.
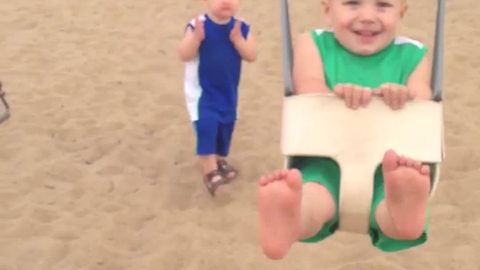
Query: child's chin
column 224, row 14
column 367, row 50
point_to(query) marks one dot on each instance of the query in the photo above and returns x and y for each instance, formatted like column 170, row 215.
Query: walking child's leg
column 208, row 163
column 224, row 140
column 207, row 134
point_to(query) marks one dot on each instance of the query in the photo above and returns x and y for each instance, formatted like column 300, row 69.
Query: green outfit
column 394, row 64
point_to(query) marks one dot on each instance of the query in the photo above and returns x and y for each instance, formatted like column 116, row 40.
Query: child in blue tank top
column 214, row 46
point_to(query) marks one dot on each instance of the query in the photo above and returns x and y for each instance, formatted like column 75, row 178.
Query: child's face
column 222, row 9
column 364, row 26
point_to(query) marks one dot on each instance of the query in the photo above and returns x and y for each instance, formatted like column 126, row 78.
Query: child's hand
column 395, row 95
column 354, row 96
column 236, row 34
column 199, row 31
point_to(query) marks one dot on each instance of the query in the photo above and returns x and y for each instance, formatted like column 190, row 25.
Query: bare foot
column 407, row 186
column 279, row 201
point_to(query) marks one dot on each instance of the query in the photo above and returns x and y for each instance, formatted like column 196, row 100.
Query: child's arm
column 307, row 67
column 246, row 47
column 419, row 80
column 188, row 48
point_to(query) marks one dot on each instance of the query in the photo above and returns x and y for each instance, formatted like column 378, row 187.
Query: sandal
column 213, row 180
column 227, row 170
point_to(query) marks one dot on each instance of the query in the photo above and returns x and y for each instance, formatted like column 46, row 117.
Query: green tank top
column 393, row 64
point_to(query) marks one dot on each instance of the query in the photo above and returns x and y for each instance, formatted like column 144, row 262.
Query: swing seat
column 4, row 107
column 320, row 125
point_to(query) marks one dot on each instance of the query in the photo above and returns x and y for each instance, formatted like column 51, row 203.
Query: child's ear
column 404, row 10
column 325, row 6
column 326, row 11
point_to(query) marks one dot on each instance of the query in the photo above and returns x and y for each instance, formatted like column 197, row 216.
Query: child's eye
column 352, row 3
column 384, row 4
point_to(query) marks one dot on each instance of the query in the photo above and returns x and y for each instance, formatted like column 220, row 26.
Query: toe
column 410, row 163
column 294, row 179
column 277, row 175
column 390, row 160
column 425, row 169
column 417, row 165
column 284, row 173
column 402, row 161
column 263, row 181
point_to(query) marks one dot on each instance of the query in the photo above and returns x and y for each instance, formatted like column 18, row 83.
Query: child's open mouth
column 364, row 33
column 366, row 36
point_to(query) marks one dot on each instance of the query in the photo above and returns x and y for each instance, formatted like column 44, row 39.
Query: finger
column 197, row 22
column 338, row 90
column 411, row 94
column 356, row 96
column 403, row 97
column 387, row 94
column 236, row 28
column 197, row 27
column 394, row 97
column 348, row 93
column 366, row 97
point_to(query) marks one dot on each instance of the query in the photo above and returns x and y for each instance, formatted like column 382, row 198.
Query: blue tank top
column 212, row 78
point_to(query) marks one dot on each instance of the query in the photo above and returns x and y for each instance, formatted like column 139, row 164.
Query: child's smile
column 366, row 36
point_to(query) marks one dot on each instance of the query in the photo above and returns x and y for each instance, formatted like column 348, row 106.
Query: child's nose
column 367, row 14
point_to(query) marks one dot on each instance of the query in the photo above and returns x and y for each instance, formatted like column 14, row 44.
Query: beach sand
column 97, row 164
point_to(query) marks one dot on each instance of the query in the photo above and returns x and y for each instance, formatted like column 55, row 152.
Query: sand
column 97, row 165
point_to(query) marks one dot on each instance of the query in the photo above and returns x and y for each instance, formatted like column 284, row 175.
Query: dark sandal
column 227, row 169
column 211, row 183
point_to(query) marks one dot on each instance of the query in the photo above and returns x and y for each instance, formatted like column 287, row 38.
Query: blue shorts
column 213, row 136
